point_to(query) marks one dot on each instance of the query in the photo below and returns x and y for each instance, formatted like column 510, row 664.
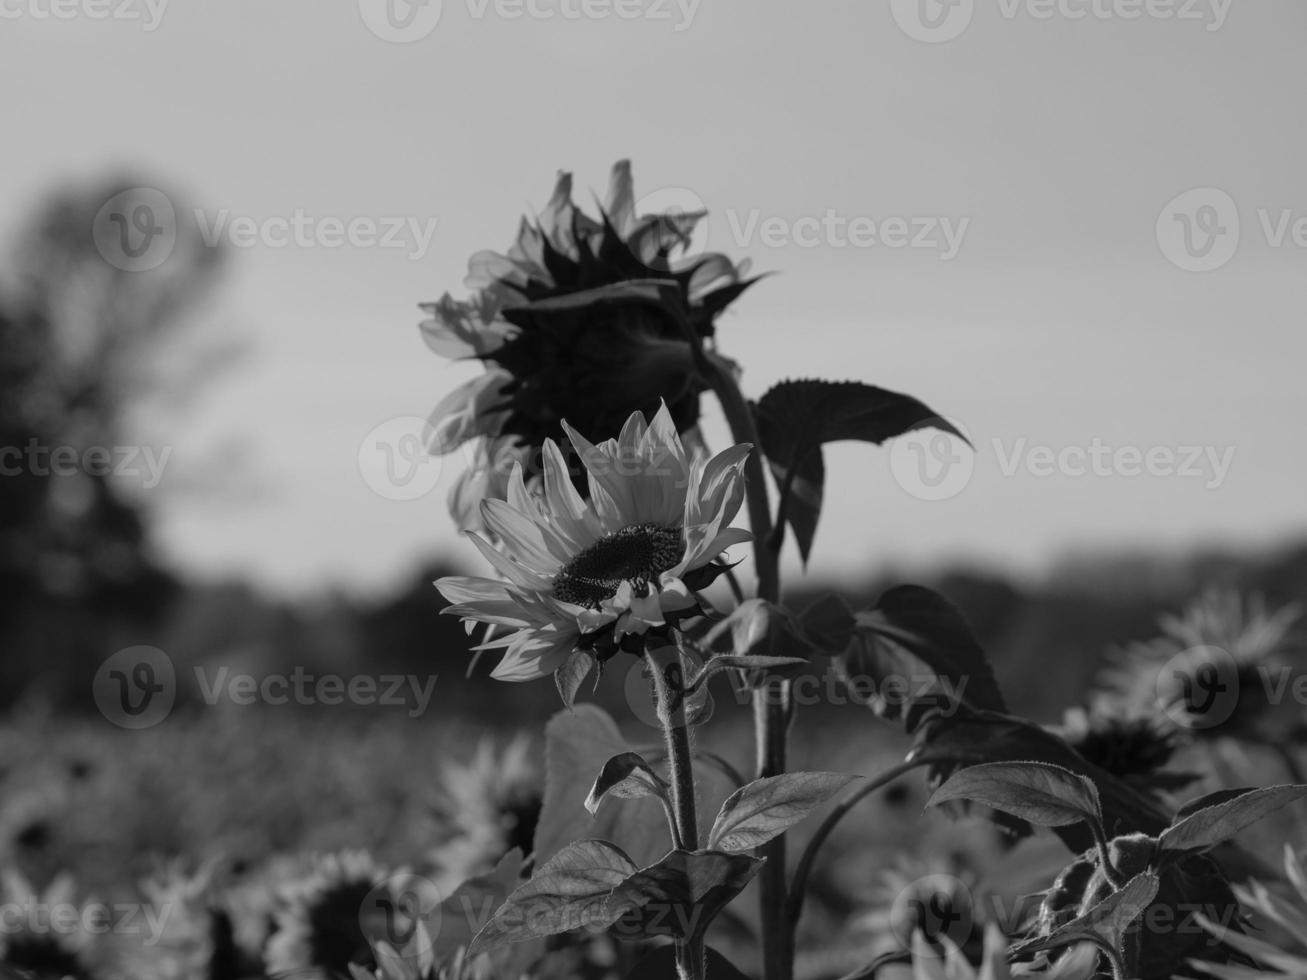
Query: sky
column 1076, row 228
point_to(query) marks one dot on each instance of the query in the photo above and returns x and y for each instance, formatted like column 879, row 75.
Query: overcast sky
column 977, row 204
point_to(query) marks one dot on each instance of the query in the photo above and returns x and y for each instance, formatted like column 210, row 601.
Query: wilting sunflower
column 1136, row 749
column 592, row 573
column 561, row 337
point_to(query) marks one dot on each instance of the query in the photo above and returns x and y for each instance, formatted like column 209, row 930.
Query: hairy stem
column 772, row 703
column 669, row 688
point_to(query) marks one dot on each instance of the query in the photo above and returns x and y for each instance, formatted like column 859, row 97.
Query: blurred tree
column 87, row 334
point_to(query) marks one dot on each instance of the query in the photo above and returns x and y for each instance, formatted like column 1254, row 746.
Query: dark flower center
column 636, row 554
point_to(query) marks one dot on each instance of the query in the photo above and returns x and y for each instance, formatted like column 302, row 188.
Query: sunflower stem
column 668, row 671
column 773, row 702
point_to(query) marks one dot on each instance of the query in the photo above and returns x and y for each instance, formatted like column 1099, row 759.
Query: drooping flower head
column 1134, row 748
column 581, row 573
column 583, row 319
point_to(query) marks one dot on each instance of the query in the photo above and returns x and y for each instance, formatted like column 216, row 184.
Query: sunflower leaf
column 569, row 891
column 1042, row 794
column 762, row 635
column 577, row 744
column 1105, row 924
column 796, row 418
column 915, row 635
column 1206, row 826
column 569, row 677
column 764, row 808
column 626, row 776
column 680, row 895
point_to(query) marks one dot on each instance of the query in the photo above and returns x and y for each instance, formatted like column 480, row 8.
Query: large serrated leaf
column 570, row 891
column 679, row 896
column 1041, row 794
column 1207, row 826
column 796, row 418
column 756, row 813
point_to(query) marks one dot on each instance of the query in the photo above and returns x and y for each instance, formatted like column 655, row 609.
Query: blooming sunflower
column 319, row 929
column 561, row 336
column 1212, row 669
column 592, row 573
column 488, row 807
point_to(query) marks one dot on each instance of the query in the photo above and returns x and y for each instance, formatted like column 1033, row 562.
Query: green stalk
column 772, row 703
column 669, row 688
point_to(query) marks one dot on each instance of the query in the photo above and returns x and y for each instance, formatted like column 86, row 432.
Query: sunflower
column 488, row 807
column 30, row 938
column 1212, row 670
column 584, row 319
column 598, row 574
column 319, row 925
column 1136, row 749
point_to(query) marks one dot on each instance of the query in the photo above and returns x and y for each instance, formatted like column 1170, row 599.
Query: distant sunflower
column 562, row 337
column 29, row 941
column 589, row 573
column 319, row 924
column 1134, row 749
column 1212, row 670
column 488, row 806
